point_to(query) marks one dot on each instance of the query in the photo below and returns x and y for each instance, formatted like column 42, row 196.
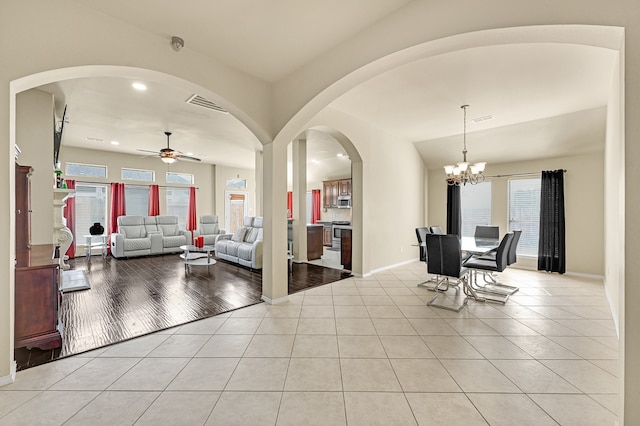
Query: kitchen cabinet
column 344, row 186
column 314, row 242
column 327, row 237
column 332, row 189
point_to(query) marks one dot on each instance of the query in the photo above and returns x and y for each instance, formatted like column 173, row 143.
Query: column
column 300, row 199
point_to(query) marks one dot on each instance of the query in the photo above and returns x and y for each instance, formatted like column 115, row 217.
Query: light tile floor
column 362, row 351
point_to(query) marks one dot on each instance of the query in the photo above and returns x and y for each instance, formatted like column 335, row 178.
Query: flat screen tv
column 57, row 137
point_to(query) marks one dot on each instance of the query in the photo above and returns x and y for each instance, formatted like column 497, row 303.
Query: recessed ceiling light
column 340, row 154
column 189, row 154
column 139, row 86
column 115, row 143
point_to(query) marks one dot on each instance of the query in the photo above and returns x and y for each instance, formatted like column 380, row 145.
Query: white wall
column 34, row 136
column 584, row 206
column 393, row 190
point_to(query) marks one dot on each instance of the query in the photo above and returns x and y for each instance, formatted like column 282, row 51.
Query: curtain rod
column 520, row 174
column 133, row 184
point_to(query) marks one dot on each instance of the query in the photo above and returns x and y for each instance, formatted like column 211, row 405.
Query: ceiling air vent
column 481, row 119
column 198, row 100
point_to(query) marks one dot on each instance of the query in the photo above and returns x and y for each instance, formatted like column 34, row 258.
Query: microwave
column 344, row 202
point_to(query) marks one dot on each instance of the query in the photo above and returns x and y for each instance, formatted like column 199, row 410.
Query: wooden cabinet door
column 345, row 187
column 326, row 194
column 327, row 238
column 334, row 194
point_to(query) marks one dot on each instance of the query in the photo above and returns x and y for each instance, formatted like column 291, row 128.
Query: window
column 86, row 170
column 476, row 207
column 236, row 183
column 91, row 207
column 136, row 200
column 178, row 204
column 134, row 174
column 524, row 213
column 184, row 178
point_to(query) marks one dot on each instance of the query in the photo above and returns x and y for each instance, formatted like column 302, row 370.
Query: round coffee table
column 197, row 256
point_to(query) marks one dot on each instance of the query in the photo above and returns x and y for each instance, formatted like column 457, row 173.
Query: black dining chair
column 487, row 266
column 492, row 284
column 421, row 233
column 445, row 261
column 437, row 230
column 488, row 232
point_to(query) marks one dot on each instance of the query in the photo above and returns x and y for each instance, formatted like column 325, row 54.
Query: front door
column 236, row 207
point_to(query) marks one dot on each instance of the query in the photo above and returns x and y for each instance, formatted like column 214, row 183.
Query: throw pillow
column 239, row 235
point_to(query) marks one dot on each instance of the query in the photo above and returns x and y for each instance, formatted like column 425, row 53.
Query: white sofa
column 243, row 246
column 148, row 235
column 209, row 228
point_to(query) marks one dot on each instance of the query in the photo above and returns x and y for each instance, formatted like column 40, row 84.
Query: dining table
column 478, row 246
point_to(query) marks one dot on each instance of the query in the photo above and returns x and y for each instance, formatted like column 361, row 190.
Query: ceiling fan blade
column 146, row 150
column 186, row 157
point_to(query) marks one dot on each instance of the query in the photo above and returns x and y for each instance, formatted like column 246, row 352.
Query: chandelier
column 463, row 173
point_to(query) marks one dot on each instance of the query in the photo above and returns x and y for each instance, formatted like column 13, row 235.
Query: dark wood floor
column 132, row 297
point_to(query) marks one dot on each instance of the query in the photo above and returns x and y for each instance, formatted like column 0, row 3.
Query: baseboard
column 274, row 301
column 384, row 268
column 7, row 380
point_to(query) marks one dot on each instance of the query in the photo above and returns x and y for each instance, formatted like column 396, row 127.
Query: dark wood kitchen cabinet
column 314, row 242
column 344, row 187
column 327, row 235
column 332, row 189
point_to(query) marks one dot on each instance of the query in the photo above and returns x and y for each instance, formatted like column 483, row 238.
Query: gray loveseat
column 146, row 235
column 243, row 246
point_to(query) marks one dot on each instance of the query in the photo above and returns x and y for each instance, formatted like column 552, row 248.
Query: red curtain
column 118, row 207
column 289, row 205
column 315, row 205
column 70, row 216
column 192, row 221
column 154, row 200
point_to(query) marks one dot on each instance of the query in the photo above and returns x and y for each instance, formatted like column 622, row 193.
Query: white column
column 299, row 159
column 259, row 190
column 275, row 271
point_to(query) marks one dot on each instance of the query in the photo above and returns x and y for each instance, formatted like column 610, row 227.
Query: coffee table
column 197, row 256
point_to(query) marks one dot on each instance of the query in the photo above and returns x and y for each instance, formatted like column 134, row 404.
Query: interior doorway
column 236, row 207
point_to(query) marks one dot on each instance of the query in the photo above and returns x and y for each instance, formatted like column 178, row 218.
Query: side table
column 96, row 241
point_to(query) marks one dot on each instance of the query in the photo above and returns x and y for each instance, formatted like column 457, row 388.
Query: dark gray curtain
column 551, row 243
column 454, row 211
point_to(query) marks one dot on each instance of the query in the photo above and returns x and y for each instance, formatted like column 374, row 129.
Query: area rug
column 74, row 280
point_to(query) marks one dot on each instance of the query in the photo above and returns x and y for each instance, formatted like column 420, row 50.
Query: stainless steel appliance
column 344, row 201
column 336, row 227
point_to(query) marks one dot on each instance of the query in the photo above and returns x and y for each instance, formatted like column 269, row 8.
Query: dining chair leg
column 481, row 295
column 438, row 290
column 492, row 283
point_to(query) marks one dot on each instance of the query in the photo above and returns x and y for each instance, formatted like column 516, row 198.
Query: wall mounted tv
column 58, row 129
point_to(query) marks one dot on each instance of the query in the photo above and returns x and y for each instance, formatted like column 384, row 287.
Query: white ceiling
column 546, row 99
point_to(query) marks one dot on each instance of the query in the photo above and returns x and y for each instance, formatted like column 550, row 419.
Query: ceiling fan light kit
column 463, row 172
column 169, row 155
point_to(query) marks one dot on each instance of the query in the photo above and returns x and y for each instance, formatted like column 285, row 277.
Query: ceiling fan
column 169, row 155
